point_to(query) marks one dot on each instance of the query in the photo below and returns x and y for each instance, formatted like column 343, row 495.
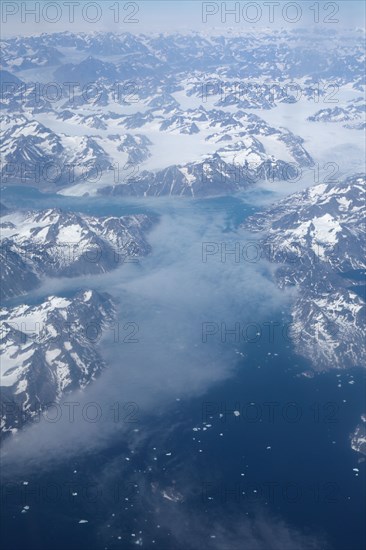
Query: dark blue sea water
column 306, row 477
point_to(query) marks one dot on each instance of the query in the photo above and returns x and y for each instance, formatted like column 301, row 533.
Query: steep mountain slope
column 48, row 350
column 57, row 243
column 318, row 239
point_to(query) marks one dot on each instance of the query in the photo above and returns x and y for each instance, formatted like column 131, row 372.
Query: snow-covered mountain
column 285, row 53
column 120, row 103
column 57, row 243
column 34, row 154
column 353, row 114
column 318, row 239
column 48, row 350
